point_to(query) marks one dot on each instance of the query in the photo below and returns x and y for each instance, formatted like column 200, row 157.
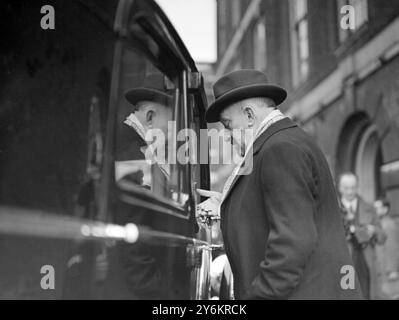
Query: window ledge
column 353, row 42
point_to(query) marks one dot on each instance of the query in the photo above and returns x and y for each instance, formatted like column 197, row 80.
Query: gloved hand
column 210, row 207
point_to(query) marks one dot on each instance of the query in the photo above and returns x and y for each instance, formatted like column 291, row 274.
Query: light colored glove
column 210, row 207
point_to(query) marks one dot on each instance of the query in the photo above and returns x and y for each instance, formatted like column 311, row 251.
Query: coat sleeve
column 289, row 191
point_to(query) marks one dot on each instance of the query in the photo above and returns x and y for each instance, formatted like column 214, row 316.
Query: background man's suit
column 361, row 245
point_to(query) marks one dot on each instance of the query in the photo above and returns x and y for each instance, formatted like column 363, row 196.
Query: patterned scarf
column 150, row 155
column 273, row 117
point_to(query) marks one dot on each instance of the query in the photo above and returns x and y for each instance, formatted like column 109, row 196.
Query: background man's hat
column 239, row 85
column 152, row 89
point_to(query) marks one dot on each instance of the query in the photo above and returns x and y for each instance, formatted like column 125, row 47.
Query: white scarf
column 134, row 122
column 273, row 117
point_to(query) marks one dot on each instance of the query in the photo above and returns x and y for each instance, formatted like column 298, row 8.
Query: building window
column 222, row 27
column 300, row 40
column 360, row 14
column 259, row 44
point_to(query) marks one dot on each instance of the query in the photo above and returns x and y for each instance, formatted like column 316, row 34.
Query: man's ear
column 249, row 113
column 149, row 117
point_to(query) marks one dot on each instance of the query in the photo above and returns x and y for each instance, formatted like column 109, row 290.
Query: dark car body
column 61, row 104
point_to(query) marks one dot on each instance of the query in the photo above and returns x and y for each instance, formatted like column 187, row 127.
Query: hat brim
column 276, row 93
column 147, row 94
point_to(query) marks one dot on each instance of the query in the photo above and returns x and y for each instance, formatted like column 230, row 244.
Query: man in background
column 363, row 229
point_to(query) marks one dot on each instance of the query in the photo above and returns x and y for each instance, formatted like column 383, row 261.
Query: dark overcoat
column 281, row 223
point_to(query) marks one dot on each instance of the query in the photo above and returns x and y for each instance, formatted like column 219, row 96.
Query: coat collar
column 258, row 143
column 274, row 128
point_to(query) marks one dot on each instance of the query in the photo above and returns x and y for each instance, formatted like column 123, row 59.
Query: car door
column 75, row 181
column 171, row 258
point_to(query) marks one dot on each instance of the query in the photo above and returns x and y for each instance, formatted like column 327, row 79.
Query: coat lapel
column 274, row 128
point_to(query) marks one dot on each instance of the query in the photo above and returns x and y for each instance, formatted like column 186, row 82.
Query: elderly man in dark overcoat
column 280, row 221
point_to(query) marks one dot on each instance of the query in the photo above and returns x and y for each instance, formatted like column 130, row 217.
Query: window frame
column 165, row 45
column 296, row 60
column 344, row 35
column 258, row 57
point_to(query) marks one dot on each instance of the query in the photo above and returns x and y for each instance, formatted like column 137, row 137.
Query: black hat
column 239, row 85
column 152, row 89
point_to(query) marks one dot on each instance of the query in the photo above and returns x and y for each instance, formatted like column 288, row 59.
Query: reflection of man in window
column 141, row 266
column 152, row 110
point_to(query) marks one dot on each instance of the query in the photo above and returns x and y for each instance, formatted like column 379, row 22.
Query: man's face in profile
column 235, row 121
column 348, row 187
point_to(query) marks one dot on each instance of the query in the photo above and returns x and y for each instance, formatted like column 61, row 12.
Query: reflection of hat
column 152, row 89
column 239, row 85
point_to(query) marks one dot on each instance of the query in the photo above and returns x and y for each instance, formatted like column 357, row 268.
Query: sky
column 195, row 21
